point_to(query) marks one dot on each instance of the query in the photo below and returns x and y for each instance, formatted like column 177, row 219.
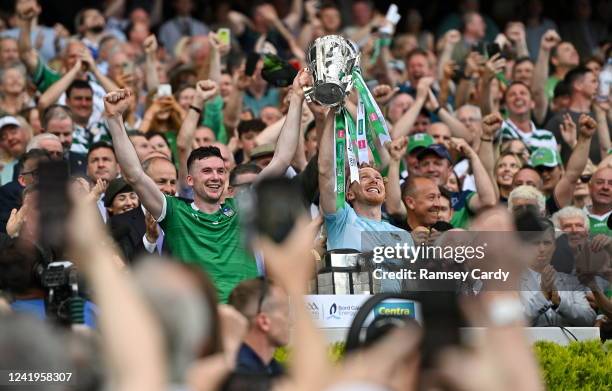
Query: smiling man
column 207, row 231
column 518, row 125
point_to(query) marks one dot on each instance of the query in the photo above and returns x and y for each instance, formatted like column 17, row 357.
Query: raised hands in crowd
column 200, row 134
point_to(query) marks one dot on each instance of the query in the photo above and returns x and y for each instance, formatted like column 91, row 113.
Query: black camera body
column 59, row 279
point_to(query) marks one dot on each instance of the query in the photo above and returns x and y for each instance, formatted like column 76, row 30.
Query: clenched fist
column 205, row 90
column 587, row 126
column 150, row 45
column 117, row 102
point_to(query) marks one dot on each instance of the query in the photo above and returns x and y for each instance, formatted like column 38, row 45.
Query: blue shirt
column 36, row 307
column 270, row 98
column 249, row 362
column 346, row 229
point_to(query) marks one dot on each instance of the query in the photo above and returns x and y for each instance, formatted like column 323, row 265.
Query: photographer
column 20, row 262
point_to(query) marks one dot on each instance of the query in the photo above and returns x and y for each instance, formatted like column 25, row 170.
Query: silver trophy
column 331, row 59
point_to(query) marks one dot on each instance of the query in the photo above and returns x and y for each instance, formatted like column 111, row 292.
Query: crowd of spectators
column 167, row 123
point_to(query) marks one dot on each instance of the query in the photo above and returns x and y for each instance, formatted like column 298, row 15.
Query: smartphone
column 493, row 49
column 251, row 64
column 271, row 208
column 224, row 36
column 53, row 186
column 479, row 48
column 164, row 90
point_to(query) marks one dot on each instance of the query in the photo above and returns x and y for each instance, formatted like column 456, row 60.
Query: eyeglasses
column 34, row 173
column 262, row 293
column 585, row 178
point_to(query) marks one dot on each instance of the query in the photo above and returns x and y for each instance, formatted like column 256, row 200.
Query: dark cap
column 436, row 149
column 116, row 187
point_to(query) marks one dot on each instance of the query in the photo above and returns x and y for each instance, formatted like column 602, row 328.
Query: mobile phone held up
column 164, row 90
column 224, row 36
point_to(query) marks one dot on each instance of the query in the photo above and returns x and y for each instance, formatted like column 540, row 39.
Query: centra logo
column 395, row 309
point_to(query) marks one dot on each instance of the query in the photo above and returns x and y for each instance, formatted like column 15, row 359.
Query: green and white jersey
column 598, row 223
column 211, row 241
column 537, row 138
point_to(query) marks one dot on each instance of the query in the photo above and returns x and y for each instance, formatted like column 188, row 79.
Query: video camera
column 62, row 301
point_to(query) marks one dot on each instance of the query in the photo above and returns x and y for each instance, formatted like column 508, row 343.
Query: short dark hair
column 252, row 125
column 311, row 126
column 136, row 133
column 416, row 52
column 100, row 145
column 248, row 168
column 520, row 83
column 444, row 192
column 247, row 294
column 203, row 153
column 78, row 85
column 17, row 260
column 55, row 111
column 521, row 60
column 574, row 75
column 152, row 133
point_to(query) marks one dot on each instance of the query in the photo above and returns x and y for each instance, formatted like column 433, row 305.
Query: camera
column 59, row 279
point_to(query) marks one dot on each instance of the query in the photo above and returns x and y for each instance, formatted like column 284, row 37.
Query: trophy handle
column 308, row 93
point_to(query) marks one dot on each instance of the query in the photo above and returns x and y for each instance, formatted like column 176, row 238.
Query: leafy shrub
column 585, row 366
column 578, row 366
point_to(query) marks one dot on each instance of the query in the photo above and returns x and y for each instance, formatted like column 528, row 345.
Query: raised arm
column 602, row 113
column 294, row 17
column 456, row 127
column 233, row 106
column 115, row 104
column 53, row 93
column 403, row 125
column 485, row 193
column 205, row 90
column 493, row 66
column 540, row 74
column 564, row 190
column 290, row 132
column 217, row 50
column 490, row 125
column 25, row 19
column 393, row 200
column 104, row 81
column 129, row 330
column 517, row 35
column 451, row 38
column 327, row 196
column 151, row 77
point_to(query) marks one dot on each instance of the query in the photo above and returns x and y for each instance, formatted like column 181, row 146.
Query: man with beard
column 356, row 221
column 90, row 24
column 206, row 231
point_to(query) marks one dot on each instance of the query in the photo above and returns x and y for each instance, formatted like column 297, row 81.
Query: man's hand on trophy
column 302, row 81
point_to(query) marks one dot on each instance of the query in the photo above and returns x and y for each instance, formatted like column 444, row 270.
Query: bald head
column 163, row 172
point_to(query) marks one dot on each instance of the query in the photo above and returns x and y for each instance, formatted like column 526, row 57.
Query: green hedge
column 585, row 366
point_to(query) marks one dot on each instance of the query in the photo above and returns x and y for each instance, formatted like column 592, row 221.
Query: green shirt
column 44, row 76
column 213, row 118
column 549, row 87
column 461, row 211
column 212, row 241
column 599, row 224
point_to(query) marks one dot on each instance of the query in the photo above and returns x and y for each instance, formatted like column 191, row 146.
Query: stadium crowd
column 142, row 247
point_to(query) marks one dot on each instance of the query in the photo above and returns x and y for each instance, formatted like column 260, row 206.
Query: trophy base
column 329, row 94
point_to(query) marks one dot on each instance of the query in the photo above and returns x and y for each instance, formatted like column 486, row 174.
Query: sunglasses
column 585, row 178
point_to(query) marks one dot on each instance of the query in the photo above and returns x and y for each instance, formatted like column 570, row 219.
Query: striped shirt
column 537, row 138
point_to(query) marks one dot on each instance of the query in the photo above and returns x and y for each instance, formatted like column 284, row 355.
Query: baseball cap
column 436, row 149
column 262, row 150
column 419, row 140
column 116, row 187
column 9, row 120
column 545, row 157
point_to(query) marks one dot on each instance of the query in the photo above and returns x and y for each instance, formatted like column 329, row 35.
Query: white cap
column 9, row 120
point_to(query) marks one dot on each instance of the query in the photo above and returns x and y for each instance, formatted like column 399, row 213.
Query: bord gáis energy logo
column 333, row 312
